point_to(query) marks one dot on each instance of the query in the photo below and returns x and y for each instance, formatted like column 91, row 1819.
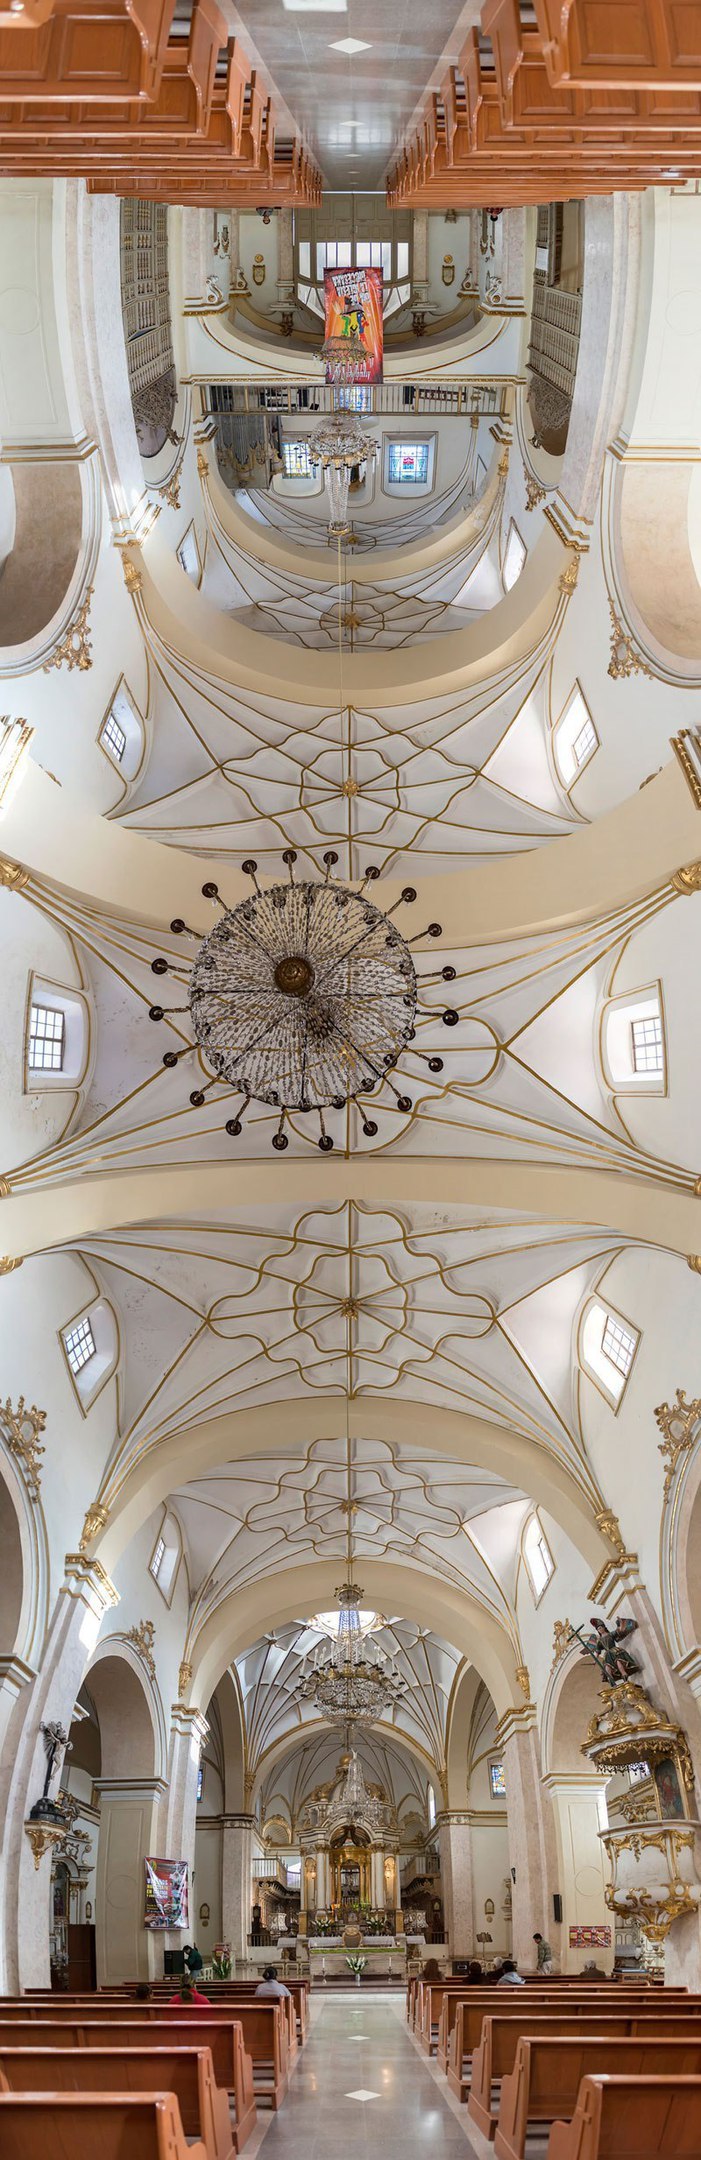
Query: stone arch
column 24, row 1575
column 39, row 567
column 461, row 1620
column 125, row 1710
column 226, row 1698
column 314, row 1730
column 468, row 1686
column 131, row 1788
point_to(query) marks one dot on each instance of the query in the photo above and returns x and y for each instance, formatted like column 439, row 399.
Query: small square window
column 156, row 1558
column 618, row 1345
column 296, row 460
column 408, row 464
column 47, row 1035
column 114, row 738
column 80, row 1345
column 648, row 1047
column 497, row 1780
column 585, row 743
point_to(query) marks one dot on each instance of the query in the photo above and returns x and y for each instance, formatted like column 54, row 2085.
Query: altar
column 386, row 1957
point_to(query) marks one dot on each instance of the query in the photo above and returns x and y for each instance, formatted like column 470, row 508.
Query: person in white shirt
column 270, row 1985
column 508, row 1976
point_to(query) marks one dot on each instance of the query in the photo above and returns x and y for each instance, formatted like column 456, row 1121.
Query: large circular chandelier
column 302, row 997
column 339, row 444
column 349, row 1678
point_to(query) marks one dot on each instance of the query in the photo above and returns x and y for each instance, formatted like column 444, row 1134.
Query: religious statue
column 56, row 1742
column 605, row 1646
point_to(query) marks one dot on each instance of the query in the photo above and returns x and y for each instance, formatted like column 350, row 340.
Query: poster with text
column 353, row 308
column 166, row 1903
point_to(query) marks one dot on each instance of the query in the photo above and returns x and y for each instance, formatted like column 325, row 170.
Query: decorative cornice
column 562, row 1641
column 535, row 492
column 74, row 647
column 687, row 750
column 184, row 1678
column 7, row 1265
column 84, row 1575
column 20, row 1430
column 520, row 1719
column 687, row 880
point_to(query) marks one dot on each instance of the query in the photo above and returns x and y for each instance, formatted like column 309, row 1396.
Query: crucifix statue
column 56, row 1742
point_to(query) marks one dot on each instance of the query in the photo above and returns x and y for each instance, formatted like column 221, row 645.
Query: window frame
column 93, row 1375
column 597, row 1301
column 132, row 726
column 563, row 758
column 297, row 443
column 50, row 1012
column 79, row 1330
column 536, row 1593
column 402, row 444
column 619, row 1011
column 496, row 1766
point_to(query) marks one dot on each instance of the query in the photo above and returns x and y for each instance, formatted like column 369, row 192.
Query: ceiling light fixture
column 315, row 7
column 339, row 446
column 350, row 45
column 303, row 998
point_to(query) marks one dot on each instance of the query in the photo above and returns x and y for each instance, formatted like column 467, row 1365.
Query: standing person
column 194, row 1960
column 270, row 1985
column 508, row 1976
column 189, row 1997
column 545, row 1956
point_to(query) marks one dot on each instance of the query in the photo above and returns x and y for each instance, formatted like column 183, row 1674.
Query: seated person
column 189, row 1997
column 270, row 1985
column 592, row 1971
column 508, row 1976
column 143, row 1991
column 474, row 1973
column 432, row 1970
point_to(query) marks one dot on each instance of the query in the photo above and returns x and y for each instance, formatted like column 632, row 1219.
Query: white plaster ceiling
column 361, row 102
column 268, row 1678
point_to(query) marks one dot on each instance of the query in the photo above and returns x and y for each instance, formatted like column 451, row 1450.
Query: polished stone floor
column 362, row 2086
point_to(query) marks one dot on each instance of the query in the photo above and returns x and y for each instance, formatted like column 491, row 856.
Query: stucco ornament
column 654, row 1868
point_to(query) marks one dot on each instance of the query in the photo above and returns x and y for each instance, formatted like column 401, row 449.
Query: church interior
column 350, row 1210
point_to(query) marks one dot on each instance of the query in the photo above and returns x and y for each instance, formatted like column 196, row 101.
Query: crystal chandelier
column 342, row 357
column 303, row 997
column 349, row 1678
column 338, row 444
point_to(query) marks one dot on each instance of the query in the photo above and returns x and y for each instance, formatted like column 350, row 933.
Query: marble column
column 188, row 1733
column 419, row 267
column 455, row 1848
column 83, row 1600
column 579, row 1807
column 377, row 1877
column 196, row 246
column 532, row 1852
column 323, row 1884
column 237, row 1869
column 285, row 256
column 125, row 1948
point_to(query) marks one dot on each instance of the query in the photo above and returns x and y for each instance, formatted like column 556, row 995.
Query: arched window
column 607, row 1347
column 165, row 1558
column 538, row 1558
column 121, row 734
column 633, row 1043
column 90, row 1344
column 575, row 739
column 515, row 554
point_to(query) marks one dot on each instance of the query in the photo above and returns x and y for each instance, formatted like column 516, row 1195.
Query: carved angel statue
column 54, row 1739
column 605, row 1646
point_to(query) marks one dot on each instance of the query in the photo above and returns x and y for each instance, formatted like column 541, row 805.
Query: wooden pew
column 187, row 2072
column 224, row 2038
column 434, row 2017
column 495, row 2053
column 147, row 2126
column 547, row 2073
column 466, row 2035
column 96, row 2008
column 640, row 2118
column 114, row 51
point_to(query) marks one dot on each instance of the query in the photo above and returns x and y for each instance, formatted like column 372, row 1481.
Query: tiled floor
column 361, row 2086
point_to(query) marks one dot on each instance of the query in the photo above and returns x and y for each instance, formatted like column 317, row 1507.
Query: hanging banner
column 353, row 308
column 166, row 1903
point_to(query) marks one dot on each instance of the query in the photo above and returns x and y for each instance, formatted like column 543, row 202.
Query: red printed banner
column 353, row 308
column 590, row 1938
column 166, row 1903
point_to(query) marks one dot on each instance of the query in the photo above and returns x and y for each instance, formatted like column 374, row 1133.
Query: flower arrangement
column 222, row 1965
column 356, row 1964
